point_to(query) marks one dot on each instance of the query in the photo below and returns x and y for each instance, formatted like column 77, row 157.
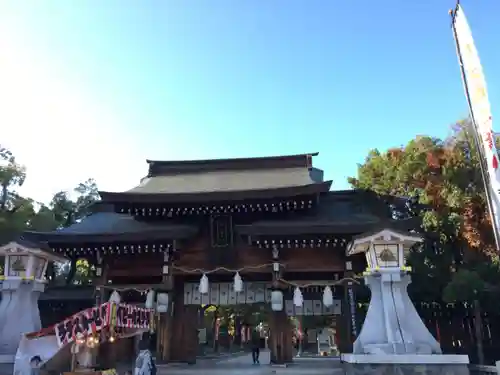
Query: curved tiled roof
column 110, row 226
column 225, row 180
column 339, row 212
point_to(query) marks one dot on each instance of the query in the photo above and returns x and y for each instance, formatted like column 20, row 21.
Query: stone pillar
column 19, row 314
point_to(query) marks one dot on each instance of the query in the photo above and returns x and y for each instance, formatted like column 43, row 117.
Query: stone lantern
column 392, row 325
column 394, row 338
column 21, row 284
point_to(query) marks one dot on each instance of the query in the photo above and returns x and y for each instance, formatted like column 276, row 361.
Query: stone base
column 19, row 313
column 7, row 358
column 405, row 364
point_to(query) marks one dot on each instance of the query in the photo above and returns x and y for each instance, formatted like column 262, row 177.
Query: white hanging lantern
column 203, row 287
column 276, row 300
column 238, row 283
column 115, row 297
column 327, row 296
column 298, row 300
column 150, row 299
column 162, row 302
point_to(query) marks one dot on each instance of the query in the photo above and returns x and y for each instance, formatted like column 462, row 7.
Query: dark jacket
column 255, row 339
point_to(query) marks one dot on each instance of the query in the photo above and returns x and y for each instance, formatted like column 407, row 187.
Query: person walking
column 144, row 362
column 255, row 346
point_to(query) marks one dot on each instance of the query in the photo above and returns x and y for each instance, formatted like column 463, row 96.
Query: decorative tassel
column 238, row 283
column 203, row 288
column 327, row 296
column 298, row 300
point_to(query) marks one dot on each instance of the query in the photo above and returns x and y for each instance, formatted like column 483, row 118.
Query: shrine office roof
column 105, row 225
column 219, row 180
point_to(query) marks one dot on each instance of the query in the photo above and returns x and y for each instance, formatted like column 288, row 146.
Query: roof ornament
column 327, row 296
column 238, row 283
column 203, row 287
column 298, row 300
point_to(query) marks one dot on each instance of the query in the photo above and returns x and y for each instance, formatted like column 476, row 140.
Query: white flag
column 479, row 106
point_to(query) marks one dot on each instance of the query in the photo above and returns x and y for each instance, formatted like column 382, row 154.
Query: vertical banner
column 477, row 97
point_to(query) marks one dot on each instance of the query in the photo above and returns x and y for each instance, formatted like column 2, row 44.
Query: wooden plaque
column 214, row 293
column 224, row 293
column 308, row 307
column 317, row 307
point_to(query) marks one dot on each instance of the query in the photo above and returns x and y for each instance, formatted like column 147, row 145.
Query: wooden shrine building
column 215, row 217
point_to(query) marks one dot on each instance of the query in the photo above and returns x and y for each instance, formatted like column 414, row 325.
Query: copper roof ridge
column 254, row 158
column 174, row 167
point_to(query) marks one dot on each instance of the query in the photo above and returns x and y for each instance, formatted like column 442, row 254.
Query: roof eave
column 356, row 228
column 219, row 196
column 150, row 235
column 287, row 229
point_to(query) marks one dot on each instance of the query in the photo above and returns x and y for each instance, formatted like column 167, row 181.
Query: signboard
column 92, row 320
column 129, row 316
column 85, row 322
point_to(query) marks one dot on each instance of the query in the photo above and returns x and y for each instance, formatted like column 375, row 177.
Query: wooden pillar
column 281, row 338
column 184, row 327
column 237, row 330
column 165, row 319
column 215, row 330
column 280, row 343
column 100, row 279
column 177, row 332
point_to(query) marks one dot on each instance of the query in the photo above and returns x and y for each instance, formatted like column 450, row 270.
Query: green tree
column 68, row 211
column 65, row 212
column 18, row 213
column 15, row 210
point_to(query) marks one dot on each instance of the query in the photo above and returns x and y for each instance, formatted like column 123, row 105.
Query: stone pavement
column 242, row 365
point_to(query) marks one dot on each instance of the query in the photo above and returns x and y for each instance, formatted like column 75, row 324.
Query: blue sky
column 93, row 88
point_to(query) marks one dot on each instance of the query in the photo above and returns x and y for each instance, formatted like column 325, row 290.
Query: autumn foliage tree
column 440, row 182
